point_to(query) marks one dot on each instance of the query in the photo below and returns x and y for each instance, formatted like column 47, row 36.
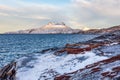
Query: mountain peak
column 50, row 28
column 51, row 25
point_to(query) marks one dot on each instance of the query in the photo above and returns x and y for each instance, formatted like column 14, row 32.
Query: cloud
column 3, row 14
column 29, row 15
column 77, row 14
column 29, row 10
column 4, row 7
column 97, row 13
column 105, row 7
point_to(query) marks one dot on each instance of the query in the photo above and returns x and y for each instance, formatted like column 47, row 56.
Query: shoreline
column 81, row 49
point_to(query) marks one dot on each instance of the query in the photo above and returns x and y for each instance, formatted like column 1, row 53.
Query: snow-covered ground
column 48, row 65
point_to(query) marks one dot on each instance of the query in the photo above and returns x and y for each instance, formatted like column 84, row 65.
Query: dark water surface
column 13, row 47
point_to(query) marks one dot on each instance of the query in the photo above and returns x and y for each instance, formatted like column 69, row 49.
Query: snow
column 60, row 64
column 48, row 29
column 111, row 50
column 55, row 26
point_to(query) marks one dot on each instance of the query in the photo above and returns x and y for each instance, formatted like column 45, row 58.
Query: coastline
column 81, row 49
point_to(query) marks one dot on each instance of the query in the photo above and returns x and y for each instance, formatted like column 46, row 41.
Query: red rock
column 74, row 50
column 116, row 68
column 64, row 77
column 115, row 58
column 71, row 50
column 95, row 70
column 105, row 74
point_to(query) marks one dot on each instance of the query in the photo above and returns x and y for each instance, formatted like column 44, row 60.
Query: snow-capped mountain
column 50, row 28
column 62, row 28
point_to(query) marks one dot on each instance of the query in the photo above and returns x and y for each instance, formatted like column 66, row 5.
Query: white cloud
column 104, row 7
column 77, row 14
column 3, row 14
column 97, row 13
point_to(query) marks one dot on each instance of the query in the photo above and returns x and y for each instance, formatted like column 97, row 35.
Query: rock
column 50, row 49
column 63, row 77
column 96, row 71
column 108, row 69
column 102, row 31
column 80, row 50
column 8, row 72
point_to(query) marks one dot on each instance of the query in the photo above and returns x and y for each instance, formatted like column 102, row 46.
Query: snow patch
column 60, row 64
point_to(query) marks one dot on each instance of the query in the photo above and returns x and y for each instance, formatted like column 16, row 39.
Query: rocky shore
column 8, row 72
column 106, row 45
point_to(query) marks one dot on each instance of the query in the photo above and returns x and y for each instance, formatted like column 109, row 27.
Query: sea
column 14, row 47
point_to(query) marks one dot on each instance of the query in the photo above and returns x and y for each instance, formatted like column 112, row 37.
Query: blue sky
column 49, row 2
column 80, row 14
column 54, row 2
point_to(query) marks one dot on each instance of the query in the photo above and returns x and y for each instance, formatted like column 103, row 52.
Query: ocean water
column 14, row 47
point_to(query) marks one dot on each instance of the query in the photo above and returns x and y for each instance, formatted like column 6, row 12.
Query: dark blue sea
column 13, row 47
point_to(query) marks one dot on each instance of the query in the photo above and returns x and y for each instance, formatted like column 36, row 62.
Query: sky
column 79, row 14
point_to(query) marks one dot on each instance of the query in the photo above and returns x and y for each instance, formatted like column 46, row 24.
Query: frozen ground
column 47, row 64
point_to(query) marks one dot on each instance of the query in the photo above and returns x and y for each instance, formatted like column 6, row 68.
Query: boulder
column 8, row 72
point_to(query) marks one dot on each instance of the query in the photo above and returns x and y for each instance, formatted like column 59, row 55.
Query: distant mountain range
column 50, row 28
column 61, row 28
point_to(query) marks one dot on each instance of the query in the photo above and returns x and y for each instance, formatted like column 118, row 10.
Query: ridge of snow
column 57, row 26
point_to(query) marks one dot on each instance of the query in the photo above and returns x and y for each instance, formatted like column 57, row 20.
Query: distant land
column 62, row 28
column 102, row 31
column 50, row 28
